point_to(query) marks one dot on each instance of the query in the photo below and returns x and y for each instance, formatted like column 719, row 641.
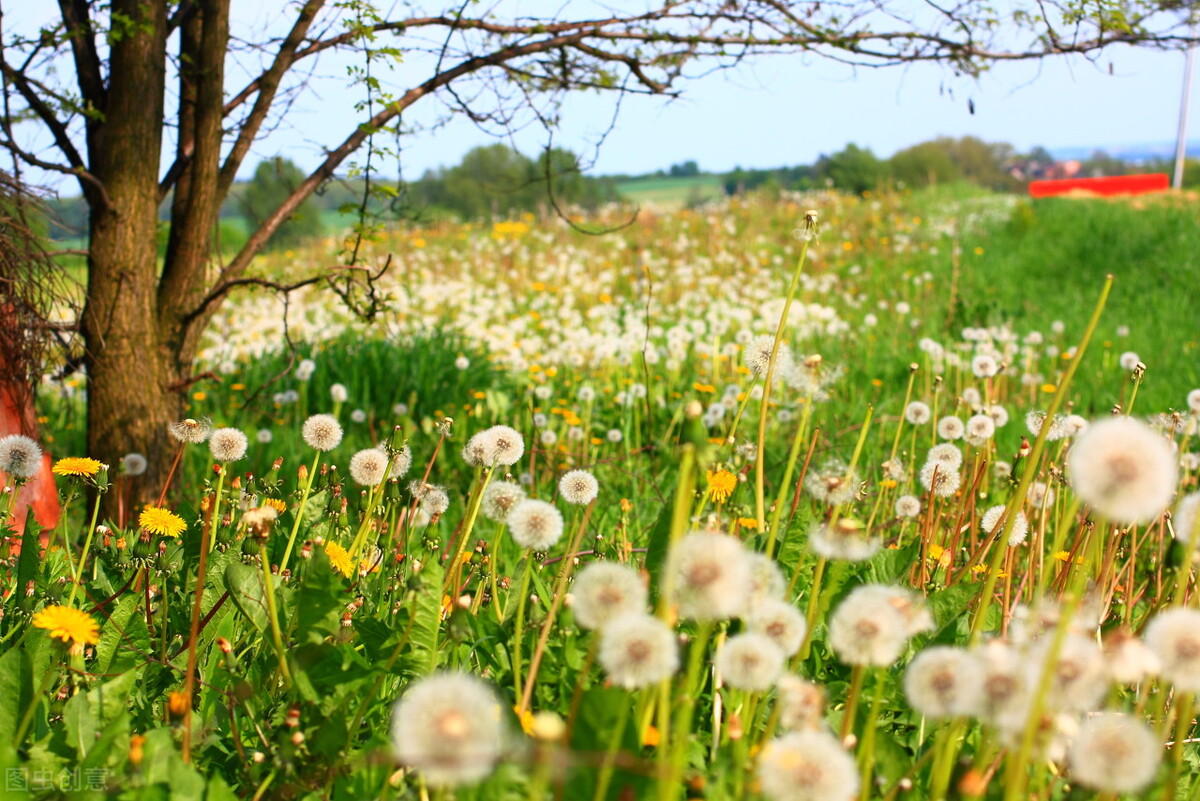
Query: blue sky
column 773, row 111
column 789, row 110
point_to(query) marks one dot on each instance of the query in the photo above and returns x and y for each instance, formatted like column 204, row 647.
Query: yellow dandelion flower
column 526, row 719
column 163, row 522
column 747, row 522
column 276, row 504
column 77, row 466
column 721, row 484
column 339, row 558
column 1049, row 388
column 650, row 736
column 69, row 625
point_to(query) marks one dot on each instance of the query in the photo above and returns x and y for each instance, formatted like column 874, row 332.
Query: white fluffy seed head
column 401, row 463
column 1079, row 678
column 434, row 501
column 947, row 454
column 766, row 579
column 190, row 431
column 578, row 487
column 605, row 591
column 369, row 467
column 1020, row 528
column 758, row 356
column 801, row 703
column 133, row 464
column 507, row 445
column 943, row 682
column 867, row 629
column 228, row 444
column 20, row 456
column 448, row 727
column 322, row 432
column 1114, row 753
column 950, row 428
column 637, row 650
column 1193, row 401
column 750, row 661
column 917, row 413
column 1124, row 470
column 847, row 540
column 981, row 426
column 940, row 479
column 807, row 766
column 908, row 506
column 499, row 499
column 1186, row 520
column 338, row 393
column 779, row 621
column 1174, row 637
column 711, row 576
column 535, row 524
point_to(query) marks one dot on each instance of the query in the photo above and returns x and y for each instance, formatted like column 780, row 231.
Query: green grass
column 672, row 192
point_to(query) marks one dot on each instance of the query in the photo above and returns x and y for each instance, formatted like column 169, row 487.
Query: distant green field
column 672, row 192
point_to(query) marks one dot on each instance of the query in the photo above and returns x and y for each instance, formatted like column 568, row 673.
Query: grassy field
column 672, row 193
column 889, row 579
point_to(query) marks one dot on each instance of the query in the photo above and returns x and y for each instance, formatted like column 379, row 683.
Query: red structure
column 1107, row 186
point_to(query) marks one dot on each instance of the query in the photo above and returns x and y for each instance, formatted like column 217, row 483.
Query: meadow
column 785, row 497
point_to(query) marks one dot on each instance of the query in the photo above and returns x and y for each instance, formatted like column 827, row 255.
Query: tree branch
column 83, row 46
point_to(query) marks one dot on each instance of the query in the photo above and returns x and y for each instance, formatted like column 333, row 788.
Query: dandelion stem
column 87, row 546
column 764, row 404
column 519, row 624
column 610, row 754
column 851, row 709
column 308, row 482
column 786, row 483
column 866, row 754
column 687, row 702
column 273, row 617
column 560, row 590
column 216, row 512
column 1018, row 496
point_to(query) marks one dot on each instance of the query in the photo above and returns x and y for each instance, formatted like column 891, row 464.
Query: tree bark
column 130, row 372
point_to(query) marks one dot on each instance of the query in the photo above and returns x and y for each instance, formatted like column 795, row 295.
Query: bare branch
column 87, row 60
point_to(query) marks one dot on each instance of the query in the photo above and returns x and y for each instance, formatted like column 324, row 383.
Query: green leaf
column 27, row 563
column 246, row 591
column 656, row 549
column 16, row 688
column 124, row 638
column 319, row 604
column 427, row 617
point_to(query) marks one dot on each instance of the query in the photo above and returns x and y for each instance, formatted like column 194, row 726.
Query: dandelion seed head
column 604, row 591
column 781, row 622
column 508, row 446
column 448, row 727
column 305, row 369
column 189, row 431
column 908, row 506
column 1123, row 470
column 801, row 703
column 338, row 393
column 1186, row 518
column 867, row 629
column 984, row 365
column 578, row 487
column 369, row 467
column 712, row 578
column 434, row 501
column 758, row 356
column 1129, row 360
column 833, row 484
column 991, row 519
column 1174, row 637
column 535, row 524
column 637, row 650
column 321, row 432
column 1114, row 753
column 1129, row 660
column 807, row 766
column 499, row 499
column 228, row 444
column 1193, row 401
column 947, row 454
column 750, row 661
column 981, row 426
column 940, row 479
column 917, row 413
column 950, row 428
column 766, row 579
column 1078, row 678
column 846, row 540
column 943, row 682
column 134, row 464
column 401, row 462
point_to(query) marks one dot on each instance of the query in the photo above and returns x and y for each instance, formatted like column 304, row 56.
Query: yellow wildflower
column 721, row 484
column 339, row 558
column 69, row 625
column 163, row 522
column 77, row 466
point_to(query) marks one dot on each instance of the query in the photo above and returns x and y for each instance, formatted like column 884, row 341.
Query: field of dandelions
column 801, row 498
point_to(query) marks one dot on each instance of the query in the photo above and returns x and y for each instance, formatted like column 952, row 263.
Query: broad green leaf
column 245, row 588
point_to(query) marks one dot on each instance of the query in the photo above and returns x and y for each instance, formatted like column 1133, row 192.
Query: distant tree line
column 496, row 181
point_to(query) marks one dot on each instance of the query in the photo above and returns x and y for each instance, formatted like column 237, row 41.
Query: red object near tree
column 1106, row 186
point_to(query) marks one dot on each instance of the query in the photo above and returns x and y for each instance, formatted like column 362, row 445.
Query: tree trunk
column 130, row 372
